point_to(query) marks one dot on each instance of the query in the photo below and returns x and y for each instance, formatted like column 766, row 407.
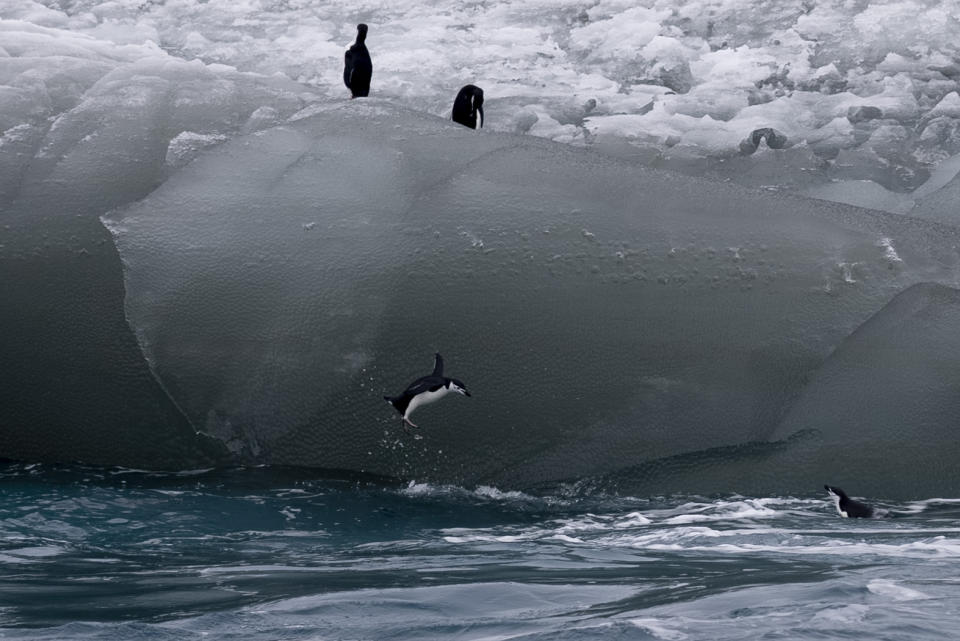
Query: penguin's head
column 457, row 386
column 361, row 32
column 835, row 491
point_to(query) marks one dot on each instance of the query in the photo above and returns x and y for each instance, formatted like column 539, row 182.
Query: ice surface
column 686, row 79
column 884, row 400
column 76, row 109
column 942, row 204
column 602, row 314
column 936, row 199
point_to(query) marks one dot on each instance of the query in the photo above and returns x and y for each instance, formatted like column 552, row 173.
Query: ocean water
column 286, row 553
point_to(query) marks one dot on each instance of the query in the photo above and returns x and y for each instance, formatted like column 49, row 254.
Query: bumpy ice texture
column 602, row 314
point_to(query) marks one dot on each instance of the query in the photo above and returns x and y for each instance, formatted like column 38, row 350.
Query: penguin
column 357, row 67
column 426, row 389
column 847, row 507
column 466, row 106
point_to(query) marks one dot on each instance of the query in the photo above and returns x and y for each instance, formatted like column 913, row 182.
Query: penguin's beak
column 480, row 111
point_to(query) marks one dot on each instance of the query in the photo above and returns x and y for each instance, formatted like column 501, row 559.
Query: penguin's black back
column 357, row 66
column 854, row 509
column 430, row 383
column 465, row 105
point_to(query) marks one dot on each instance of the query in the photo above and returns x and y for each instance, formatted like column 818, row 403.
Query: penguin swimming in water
column 357, row 67
column 426, row 389
column 847, row 507
column 466, row 106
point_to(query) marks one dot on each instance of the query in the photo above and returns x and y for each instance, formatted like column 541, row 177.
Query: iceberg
column 276, row 257
column 885, row 400
column 601, row 313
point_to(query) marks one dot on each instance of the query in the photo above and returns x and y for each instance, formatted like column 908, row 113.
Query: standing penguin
column 425, row 389
column 466, row 106
column 357, row 67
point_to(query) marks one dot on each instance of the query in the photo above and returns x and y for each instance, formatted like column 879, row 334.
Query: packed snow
column 861, row 97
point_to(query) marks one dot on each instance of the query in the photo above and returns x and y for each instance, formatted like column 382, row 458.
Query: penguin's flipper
column 347, row 68
column 438, row 365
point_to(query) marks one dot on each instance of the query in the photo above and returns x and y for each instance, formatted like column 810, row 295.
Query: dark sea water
column 280, row 553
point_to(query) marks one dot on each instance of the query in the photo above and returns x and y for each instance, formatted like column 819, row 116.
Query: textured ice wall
column 886, row 400
column 603, row 315
column 942, row 205
column 87, row 126
column 95, row 116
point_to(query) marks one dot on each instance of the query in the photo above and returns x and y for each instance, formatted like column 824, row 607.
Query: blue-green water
column 270, row 553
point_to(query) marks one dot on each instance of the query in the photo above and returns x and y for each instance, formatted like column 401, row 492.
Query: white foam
column 30, row 554
column 917, row 507
column 895, row 591
column 658, row 629
column 842, row 615
column 489, row 492
column 632, row 519
column 938, row 547
column 566, row 539
column 745, row 511
column 486, row 492
column 492, row 538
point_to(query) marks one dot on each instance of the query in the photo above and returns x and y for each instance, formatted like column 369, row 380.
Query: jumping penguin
column 466, row 106
column 425, row 390
column 357, row 67
column 847, row 507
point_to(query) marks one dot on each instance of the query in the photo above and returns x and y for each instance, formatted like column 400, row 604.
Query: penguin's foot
column 407, row 421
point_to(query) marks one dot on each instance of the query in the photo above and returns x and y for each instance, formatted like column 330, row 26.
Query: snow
column 683, row 81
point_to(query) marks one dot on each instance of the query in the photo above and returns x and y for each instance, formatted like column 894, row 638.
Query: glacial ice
column 886, row 398
column 602, row 314
column 286, row 256
column 942, row 204
column 88, row 126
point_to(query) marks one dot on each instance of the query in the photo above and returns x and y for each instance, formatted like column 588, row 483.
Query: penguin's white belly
column 424, row 399
column 836, row 503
